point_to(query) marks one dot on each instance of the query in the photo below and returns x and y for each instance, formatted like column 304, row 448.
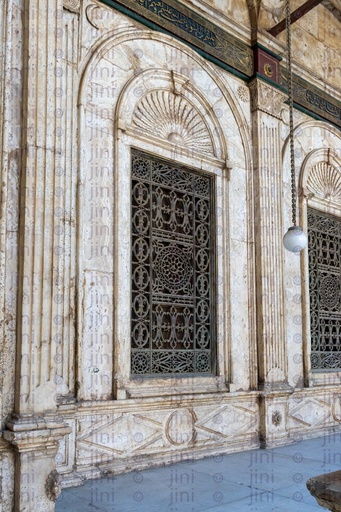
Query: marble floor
column 258, row 480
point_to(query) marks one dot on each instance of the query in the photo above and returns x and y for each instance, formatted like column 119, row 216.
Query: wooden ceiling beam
column 296, row 15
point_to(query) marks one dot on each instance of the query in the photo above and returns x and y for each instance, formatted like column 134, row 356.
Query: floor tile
column 257, row 480
column 265, row 502
column 68, row 502
column 177, row 491
column 298, row 493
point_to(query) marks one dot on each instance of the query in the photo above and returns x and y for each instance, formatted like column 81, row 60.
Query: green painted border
column 324, row 106
column 208, row 39
column 265, row 49
column 224, row 50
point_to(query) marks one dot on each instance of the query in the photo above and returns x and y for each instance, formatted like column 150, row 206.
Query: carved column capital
column 267, row 98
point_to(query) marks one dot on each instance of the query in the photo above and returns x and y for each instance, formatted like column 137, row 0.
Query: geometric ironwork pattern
column 172, row 330
column 324, row 245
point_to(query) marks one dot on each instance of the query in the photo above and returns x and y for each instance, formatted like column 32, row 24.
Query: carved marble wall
column 108, row 84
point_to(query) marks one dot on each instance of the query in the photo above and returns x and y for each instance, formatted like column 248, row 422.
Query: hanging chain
column 291, row 116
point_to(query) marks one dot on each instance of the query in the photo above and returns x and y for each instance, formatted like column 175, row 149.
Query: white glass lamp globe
column 295, row 239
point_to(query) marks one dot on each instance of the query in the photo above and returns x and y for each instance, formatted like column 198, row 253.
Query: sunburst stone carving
column 171, row 117
column 324, row 181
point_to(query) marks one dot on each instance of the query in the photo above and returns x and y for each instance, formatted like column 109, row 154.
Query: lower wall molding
column 121, row 436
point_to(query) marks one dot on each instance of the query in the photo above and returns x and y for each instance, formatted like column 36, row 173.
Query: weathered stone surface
column 327, row 490
column 82, row 85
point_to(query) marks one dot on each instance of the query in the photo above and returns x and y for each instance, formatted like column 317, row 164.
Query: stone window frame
column 310, row 199
column 125, row 385
column 130, row 135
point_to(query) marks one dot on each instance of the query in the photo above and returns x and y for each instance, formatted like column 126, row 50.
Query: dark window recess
column 173, row 318
column 324, row 246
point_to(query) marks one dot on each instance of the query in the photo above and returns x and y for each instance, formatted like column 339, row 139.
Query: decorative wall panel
column 313, row 410
column 156, row 431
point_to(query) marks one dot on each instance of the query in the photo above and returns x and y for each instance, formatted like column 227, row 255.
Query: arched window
column 177, row 183
column 324, row 247
column 323, row 201
column 179, row 324
column 173, row 262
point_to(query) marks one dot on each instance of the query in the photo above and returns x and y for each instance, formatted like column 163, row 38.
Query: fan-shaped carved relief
column 324, row 181
column 173, row 118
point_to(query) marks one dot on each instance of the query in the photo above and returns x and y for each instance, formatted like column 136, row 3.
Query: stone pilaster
column 41, row 298
column 267, row 104
column 11, row 86
column 33, row 432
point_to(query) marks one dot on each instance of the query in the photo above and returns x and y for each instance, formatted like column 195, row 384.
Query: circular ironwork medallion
column 173, row 268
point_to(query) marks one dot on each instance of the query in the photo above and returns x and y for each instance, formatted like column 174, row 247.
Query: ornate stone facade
column 103, row 85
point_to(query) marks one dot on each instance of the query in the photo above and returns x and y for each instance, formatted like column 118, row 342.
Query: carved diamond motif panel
column 160, row 430
column 309, row 413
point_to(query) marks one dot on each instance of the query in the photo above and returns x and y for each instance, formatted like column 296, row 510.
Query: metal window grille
column 324, row 245
column 173, row 318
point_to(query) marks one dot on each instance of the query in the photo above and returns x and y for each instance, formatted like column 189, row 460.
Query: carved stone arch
column 173, row 112
column 237, row 126
column 314, row 141
column 172, row 117
column 325, row 182
column 317, row 167
column 143, row 63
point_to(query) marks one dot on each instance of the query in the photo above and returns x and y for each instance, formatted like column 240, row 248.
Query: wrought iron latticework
column 172, row 329
column 324, row 235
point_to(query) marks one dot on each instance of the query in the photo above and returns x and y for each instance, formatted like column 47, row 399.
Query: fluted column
column 11, row 84
column 34, row 429
column 267, row 105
